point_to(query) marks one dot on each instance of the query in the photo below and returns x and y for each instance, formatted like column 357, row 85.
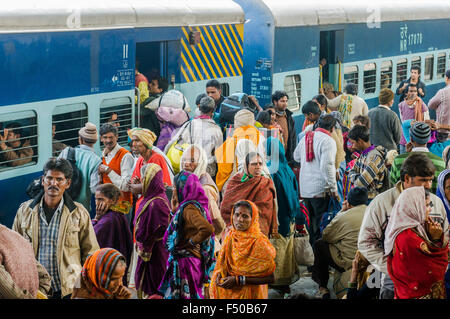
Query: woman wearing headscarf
column 110, row 225
column 244, row 122
column 253, row 185
column 150, row 224
column 101, row 277
column 286, row 186
column 194, row 160
column 189, row 240
column 246, row 263
column 443, row 192
column 417, row 247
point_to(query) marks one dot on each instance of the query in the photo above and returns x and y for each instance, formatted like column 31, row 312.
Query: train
column 66, row 63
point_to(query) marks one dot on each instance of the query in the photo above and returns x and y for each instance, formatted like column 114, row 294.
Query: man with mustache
column 117, row 166
column 59, row 229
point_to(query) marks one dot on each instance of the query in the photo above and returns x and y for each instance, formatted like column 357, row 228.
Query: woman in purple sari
column 189, row 240
column 110, row 225
column 150, row 224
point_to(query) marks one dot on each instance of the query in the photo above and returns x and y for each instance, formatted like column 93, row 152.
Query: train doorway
column 331, row 58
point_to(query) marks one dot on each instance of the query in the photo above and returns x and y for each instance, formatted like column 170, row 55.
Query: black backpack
column 233, row 104
column 36, row 187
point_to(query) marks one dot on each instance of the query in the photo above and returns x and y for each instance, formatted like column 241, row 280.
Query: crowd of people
column 214, row 211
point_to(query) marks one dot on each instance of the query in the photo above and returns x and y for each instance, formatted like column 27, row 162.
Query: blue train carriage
column 63, row 64
column 66, row 64
column 373, row 45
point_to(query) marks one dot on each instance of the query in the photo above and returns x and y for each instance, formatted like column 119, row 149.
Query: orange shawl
column 244, row 253
column 225, row 153
column 258, row 189
column 418, row 113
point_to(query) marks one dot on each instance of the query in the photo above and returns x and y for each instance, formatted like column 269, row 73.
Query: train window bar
column 402, row 70
column 26, row 151
column 429, row 65
column 67, row 120
column 416, row 61
column 351, row 75
column 123, row 107
column 293, row 88
column 370, row 78
column 386, row 75
column 440, row 70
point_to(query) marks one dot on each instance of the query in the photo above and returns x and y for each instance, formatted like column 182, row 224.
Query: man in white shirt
column 316, row 154
column 117, row 165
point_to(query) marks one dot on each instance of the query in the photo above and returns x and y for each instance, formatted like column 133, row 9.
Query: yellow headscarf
column 145, row 135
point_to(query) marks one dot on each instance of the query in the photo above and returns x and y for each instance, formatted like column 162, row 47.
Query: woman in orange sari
column 246, row 262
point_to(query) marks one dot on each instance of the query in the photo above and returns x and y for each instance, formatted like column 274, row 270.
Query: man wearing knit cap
column 419, row 133
column 339, row 241
column 87, row 162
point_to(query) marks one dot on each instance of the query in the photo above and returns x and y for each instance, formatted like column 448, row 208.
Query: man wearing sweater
column 316, row 154
column 339, row 241
column 385, row 126
column 370, row 169
column 87, row 162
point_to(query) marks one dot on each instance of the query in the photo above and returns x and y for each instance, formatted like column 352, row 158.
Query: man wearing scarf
column 370, row 170
column 316, row 154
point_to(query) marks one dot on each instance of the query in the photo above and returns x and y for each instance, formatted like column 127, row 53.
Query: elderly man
column 59, row 229
column 117, row 166
column 142, row 140
column 87, row 162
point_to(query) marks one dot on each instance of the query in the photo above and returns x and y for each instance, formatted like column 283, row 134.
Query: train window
column 440, row 71
column 66, row 122
column 351, row 75
column 386, row 75
column 429, row 64
column 370, row 78
column 416, row 61
column 225, row 87
column 119, row 112
column 18, row 139
column 293, row 88
column 402, row 70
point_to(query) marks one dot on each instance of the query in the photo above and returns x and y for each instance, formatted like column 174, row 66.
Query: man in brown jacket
column 59, row 229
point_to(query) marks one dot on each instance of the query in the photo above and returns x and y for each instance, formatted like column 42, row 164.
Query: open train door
column 331, row 50
column 151, row 61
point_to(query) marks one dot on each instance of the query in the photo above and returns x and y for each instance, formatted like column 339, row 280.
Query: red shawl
column 417, row 267
column 309, row 143
column 258, row 189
